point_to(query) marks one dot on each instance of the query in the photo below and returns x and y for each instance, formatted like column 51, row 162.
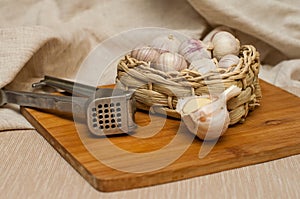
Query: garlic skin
column 146, row 54
column 194, row 49
column 166, row 43
column 208, row 121
column 203, row 66
column 225, row 43
column 228, row 61
column 170, row 62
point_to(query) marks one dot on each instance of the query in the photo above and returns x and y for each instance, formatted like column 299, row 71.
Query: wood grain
column 270, row 132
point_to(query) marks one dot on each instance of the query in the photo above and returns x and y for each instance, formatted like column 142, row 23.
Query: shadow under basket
column 158, row 91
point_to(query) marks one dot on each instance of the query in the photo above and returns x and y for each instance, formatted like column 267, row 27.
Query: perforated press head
column 111, row 115
column 108, row 111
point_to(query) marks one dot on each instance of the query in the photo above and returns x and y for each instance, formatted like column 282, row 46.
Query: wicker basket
column 160, row 90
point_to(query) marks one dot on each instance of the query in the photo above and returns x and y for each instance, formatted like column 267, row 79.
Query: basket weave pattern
column 159, row 90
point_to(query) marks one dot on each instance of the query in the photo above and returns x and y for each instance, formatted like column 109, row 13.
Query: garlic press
column 106, row 111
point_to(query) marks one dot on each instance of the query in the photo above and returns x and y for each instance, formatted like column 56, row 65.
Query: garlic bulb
column 208, row 38
column 170, row 62
column 225, row 43
column 228, row 61
column 166, row 43
column 194, row 49
column 147, row 54
column 203, row 65
column 208, row 119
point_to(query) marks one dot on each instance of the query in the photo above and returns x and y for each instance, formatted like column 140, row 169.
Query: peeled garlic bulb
column 208, row 119
column 228, row 61
column 166, row 43
column 225, row 43
column 203, row 65
column 193, row 50
column 147, row 54
column 170, row 62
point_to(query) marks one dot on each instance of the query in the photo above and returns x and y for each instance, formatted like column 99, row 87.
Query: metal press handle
column 69, row 86
column 45, row 101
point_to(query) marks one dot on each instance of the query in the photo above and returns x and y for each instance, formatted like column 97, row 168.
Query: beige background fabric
column 275, row 22
column 68, row 31
column 53, row 37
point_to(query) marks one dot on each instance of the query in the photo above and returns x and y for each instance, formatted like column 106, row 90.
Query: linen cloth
column 52, row 37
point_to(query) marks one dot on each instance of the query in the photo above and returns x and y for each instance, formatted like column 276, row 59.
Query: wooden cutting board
column 270, row 132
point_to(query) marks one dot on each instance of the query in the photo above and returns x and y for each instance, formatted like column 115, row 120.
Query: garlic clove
column 145, row 53
column 222, row 99
column 207, row 120
column 194, row 49
column 225, row 43
column 228, row 61
column 166, row 43
column 191, row 104
column 203, row 66
column 220, row 120
column 170, row 62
